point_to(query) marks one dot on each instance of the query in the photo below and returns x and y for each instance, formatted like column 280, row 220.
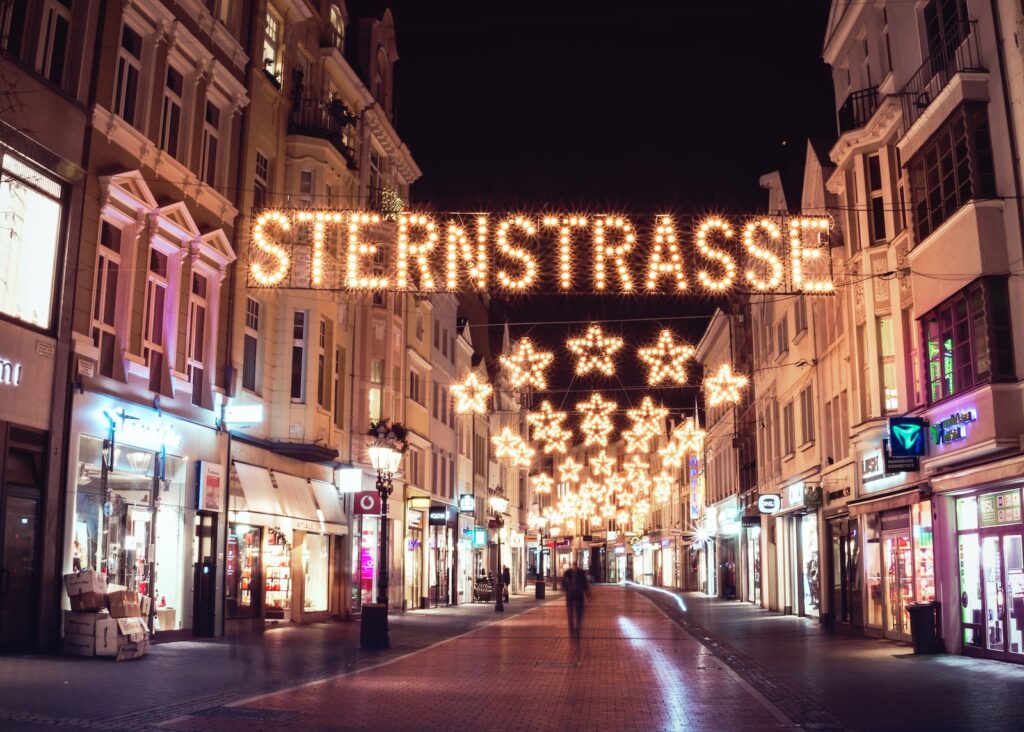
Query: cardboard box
column 88, row 602
column 145, row 603
column 78, row 644
column 124, row 604
column 88, row 580
column 166, row 618
column 132, row 650
column 113, row 634
column 82, row 623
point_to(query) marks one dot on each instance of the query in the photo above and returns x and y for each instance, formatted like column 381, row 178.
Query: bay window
column 967, row 339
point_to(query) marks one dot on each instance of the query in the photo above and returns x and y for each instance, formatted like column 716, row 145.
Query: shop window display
column 277, row 569
column 242, row 571
column 812, row 569
column 125, row 517
column 315, row 565
column 873, row 571
column 364, row 562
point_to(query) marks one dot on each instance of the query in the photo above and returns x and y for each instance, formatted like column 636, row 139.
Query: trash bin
column 541, row 589
column 924, row 626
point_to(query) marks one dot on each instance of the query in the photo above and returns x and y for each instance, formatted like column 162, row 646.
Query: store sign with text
column 999, row 509
column 467, row 503
column 954, row 427
column 769, row 503
column 209, row 486
column 10, row 372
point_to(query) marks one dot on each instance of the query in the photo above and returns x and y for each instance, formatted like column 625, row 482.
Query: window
column 129, row 69
column 339, row 389
column 323, row 393
column 945, row 27
column 156, row 303
column 170, row 114
column 416, row 388
column 867, row 62
column 876, row 200
column 800, row 314
column 250, row 344
column 782, row 335
column 435, row 403
column 104, row 293
column 885, row 39
column 842, row 437
column 865, row 372
column 30, row 223
column 373, row 397
column 968, row 339
column 53, row 44
column 306, row 187
column 337, row 32
column 887, row 364
column 415, row 472
column 377, row 178
column 211, row 139
column 377, row 371
column 198, row 309
column 444, row 404
column 298, row 389
column 272, row 64
column 12, row 25
column 807, row 415
column 912, row 364
column 789, row 435
column 259, row 192
column 953, row 167
column 437, row 333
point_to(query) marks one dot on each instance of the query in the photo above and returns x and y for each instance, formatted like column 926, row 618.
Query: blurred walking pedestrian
column 577, row 589
column 506, row 579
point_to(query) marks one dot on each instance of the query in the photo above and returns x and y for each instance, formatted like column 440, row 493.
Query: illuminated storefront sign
column 907, row 437
column 467, row 503
column 954, row 427
column 999, row 509
column 480, row 252
column 10, row 372
column 769, row 503
column 149, row 433
column 238, row 415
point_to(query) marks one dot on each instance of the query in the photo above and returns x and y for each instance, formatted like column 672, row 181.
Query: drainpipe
column 1010, row 123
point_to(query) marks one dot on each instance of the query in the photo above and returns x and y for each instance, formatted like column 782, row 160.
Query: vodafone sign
column 366, row 502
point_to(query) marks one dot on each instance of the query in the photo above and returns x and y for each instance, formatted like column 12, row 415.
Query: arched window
column 337, row 28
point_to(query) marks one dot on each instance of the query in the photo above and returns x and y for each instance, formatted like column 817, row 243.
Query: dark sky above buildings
column 640, row 107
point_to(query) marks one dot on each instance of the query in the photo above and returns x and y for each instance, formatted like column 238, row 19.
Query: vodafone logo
column 367, row 502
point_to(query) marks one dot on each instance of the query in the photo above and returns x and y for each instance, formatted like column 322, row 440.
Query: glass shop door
column 898, row 559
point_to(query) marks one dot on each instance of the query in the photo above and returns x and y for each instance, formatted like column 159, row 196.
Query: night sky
column 637, row 107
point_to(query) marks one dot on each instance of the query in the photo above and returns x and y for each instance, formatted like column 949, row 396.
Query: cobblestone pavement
column 632, row 669
column 842, row 680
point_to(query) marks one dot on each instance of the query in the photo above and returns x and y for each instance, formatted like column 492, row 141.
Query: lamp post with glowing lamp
column 499, row 504
column 385, row 454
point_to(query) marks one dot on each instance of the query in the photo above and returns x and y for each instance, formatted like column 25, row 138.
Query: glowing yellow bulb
column 665, row 259
column 764, row 254
column 725, row 260
column 604, row 251
column 819, row 226
column 542, row 483
column 518, row 254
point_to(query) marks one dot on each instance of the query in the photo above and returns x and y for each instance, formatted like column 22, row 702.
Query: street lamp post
column 385, row 457
column 499, row 504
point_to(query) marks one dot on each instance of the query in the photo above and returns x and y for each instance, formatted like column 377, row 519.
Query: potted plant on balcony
column 340, row 112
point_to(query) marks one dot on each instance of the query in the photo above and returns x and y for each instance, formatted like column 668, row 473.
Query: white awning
column 260, row 495
column 297, row 496
column 329, row 500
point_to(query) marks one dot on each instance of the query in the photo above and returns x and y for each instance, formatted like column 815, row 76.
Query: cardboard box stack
column 90, row 629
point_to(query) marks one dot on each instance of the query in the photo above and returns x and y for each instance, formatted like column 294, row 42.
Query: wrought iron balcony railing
column 953, row 56
column 857, row 109
column 325, row 119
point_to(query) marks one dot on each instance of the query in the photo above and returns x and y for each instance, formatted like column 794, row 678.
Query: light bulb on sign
column 666, row 261
column 666, row 359
column 604, row 226
column 601, row 464
column 725, row 260
column 764, row 254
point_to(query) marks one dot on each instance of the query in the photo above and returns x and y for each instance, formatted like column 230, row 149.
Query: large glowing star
column 597, row 423
column 525, row 365
column 471, row 395
column 426, row 253
column 662, row 487
column 594, row 351
column 547, row 428
column 648, row 422
column 542, row 483
column 666, row 359
column 569, row 471
column 724, row 386
column 509, row 446
column 686, row 438
column 601, row 464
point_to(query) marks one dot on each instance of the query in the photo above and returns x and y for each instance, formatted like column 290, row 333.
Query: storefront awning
column 260, row 495
column 908, row 496
column 297, row 496
column 329, row 501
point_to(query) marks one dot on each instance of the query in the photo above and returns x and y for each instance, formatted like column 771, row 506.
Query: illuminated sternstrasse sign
column 356, row 251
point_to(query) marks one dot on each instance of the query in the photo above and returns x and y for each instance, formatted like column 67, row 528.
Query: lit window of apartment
column 250, row 345
column 104, row 294
column 156, row 303
column 339, row 388
column 377, row 178
column 30, row 224
column 952, row 168
column 129, row 71
column 298, row 380
column 170, row 114
column 211, row 143
column 807, row 415
column 887, row 364
column 273, row 45
column 54, row 39
column 337, row 31
column 876, row 199
column 259, row 190
column 912, row 364
column 377, row 380
column 968, row 340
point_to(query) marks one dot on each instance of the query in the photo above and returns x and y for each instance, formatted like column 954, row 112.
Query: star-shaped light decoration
column 621, row 518
column 508, row 445
column 548, row 429
column 601, row 464
column 666, row 359
column 724, row 387
column 569, row 471
column 648, row 422
column 597, row 423
column 662, row 487
column 471, row 395
column 607, row 510
column 686, row 438
column 635, row 466
column 525, row 365
column 542, row 483
column 594, row 350
column 614, row 484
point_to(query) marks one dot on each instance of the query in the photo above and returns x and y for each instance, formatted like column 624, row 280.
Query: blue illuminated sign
column 907, row 437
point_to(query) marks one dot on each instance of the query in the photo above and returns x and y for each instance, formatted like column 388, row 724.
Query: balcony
column 953, row 57
column 857, row 109
column 326, row 120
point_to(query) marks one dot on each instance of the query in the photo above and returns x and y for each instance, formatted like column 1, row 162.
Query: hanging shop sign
column 467, row 503
column 769, row 503
column 838, row 494
column 954, row 427
column 366, row 502
column 10, row 372
column 209, row 485
column 438, row 517
column 999, row 509
column 898, row 463
column 530, row 252
column 479, row 536
column 907, row 437
column 146, row 432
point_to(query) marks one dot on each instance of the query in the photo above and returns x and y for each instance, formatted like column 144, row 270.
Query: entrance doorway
column 844, row 563
column 898, row 560
column 204, row 585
